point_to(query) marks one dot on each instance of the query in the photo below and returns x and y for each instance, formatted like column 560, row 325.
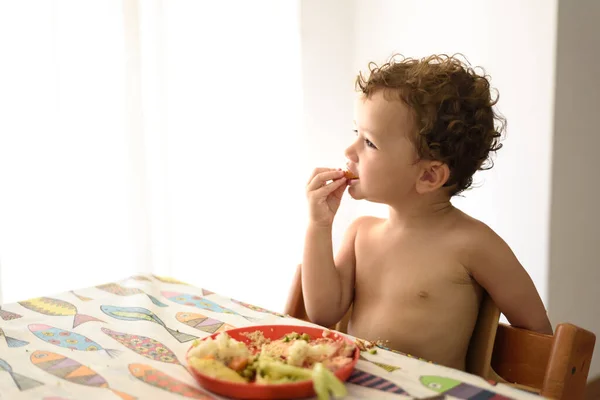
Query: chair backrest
column 481, row 345
column 556, row 366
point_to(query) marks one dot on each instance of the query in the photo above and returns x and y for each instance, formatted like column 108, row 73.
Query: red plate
column 294, row 390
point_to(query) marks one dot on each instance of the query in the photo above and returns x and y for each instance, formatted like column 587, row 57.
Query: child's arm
column 326, row 283
column 495, row 267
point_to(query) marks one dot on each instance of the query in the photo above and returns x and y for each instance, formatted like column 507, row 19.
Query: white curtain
column 150, row 136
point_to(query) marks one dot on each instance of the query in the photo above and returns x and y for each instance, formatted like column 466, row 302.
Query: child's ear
column 434, row 175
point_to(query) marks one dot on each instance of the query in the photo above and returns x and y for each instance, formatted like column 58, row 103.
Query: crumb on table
column 365, row 345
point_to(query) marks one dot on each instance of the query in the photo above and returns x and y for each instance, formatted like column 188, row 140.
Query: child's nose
column 350, row 153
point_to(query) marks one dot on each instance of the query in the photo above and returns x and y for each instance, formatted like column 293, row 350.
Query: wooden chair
column 481, row 345
column 554, row 366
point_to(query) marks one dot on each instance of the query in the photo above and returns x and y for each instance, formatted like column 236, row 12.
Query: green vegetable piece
column 337, row 387
column 325, row 381
column 277, row 370
column 373, row 351
column 305, row 336
column 320, row 383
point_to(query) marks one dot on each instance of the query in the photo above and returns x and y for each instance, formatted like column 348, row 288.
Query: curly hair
column 452, row 108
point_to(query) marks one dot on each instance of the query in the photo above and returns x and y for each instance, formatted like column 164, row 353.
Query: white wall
column 183, row 163
column 233, row 119
column 327, row 29
column 63, row 207
column 575, row 223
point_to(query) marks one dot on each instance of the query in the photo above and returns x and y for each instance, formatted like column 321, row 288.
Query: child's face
column 383, row 155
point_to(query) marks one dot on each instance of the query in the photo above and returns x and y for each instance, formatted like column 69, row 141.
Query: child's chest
column 414, row 269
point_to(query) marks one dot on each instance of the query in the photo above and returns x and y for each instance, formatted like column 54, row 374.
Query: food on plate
column 350, row 175
column 293, row 357
column 216, row 369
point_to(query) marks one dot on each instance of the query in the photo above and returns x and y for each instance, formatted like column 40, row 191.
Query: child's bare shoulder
column 494, row 266
column 473, row 231
column 365, row 224
column 478, row 241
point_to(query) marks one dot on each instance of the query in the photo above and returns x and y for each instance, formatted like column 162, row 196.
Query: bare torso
column 413, row 292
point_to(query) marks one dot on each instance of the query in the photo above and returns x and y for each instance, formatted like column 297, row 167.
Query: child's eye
column 367, row 141
column 370, row 144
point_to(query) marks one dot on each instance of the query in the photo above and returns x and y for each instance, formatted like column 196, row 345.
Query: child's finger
column 339, row 192
column 322, row 178
column 329, row 188
column 317, row 171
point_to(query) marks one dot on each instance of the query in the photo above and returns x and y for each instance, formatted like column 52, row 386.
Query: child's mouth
column 351, row 176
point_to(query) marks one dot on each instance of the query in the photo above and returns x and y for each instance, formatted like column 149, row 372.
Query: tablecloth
column 128, row 339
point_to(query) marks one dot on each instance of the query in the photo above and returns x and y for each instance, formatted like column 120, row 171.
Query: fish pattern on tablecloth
column 166, row 279
column 57, row 308
column 144, row 346
column 8, row 316
column 159, row 379
column 11, row 341
column 72, row 371
column 387, row 367
column 202, row 322
column 142, row 314
column 141, row 278
column 458, row 389
column 80, row 297
column 119, row 290
column 203, row 303
column 257, row 309
column 80, row 359
column 23, row 382
column 68, row 340
column 371, row 381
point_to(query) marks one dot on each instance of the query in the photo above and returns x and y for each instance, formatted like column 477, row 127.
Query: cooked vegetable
column 325, row 381
column 294, row 357
column 215, row 369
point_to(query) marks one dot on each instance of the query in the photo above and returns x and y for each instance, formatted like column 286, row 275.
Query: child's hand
column 324, row 198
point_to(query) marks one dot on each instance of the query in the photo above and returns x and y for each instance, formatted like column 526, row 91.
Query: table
column 128, row 340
